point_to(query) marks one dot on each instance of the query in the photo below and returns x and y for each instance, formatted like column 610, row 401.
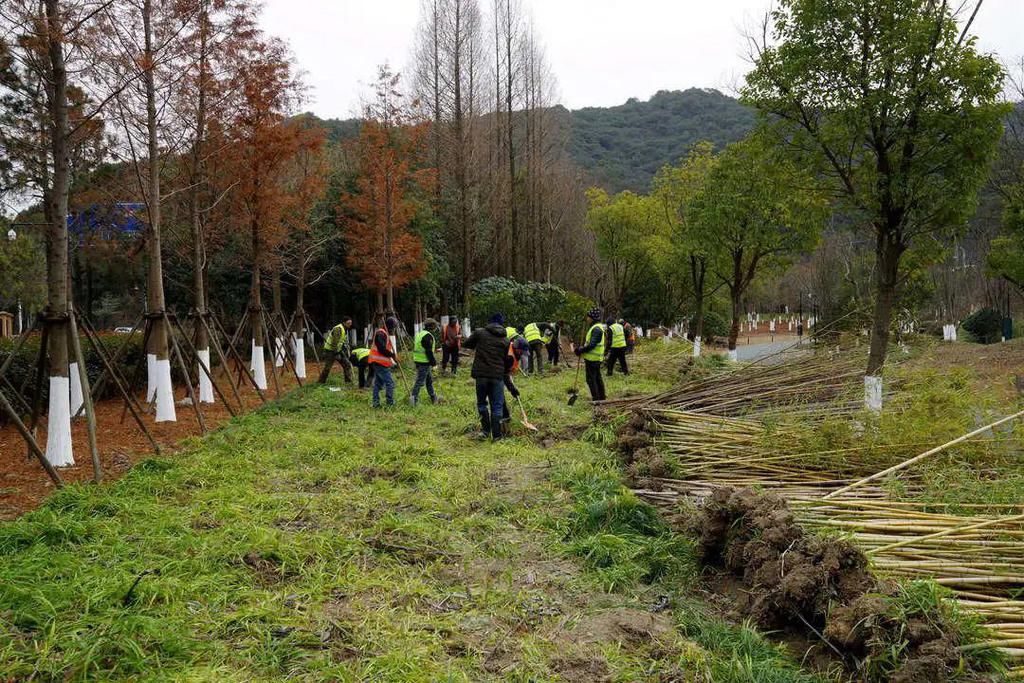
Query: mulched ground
column 24, row 484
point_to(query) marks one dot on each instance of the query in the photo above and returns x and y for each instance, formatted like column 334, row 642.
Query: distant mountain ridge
column 622, row 147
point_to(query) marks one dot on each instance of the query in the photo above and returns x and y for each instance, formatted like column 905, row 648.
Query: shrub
column 984, row 325
column 524, row 302
column 715, row 325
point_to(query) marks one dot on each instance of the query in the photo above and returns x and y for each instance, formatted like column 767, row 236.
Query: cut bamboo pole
column 918, row 458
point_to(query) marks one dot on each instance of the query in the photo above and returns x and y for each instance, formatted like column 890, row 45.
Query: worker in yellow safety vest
column 424, row 346
column 592, row 353
column 336, row 348
column 360, row 358
column 536, row 334
column 617, row 352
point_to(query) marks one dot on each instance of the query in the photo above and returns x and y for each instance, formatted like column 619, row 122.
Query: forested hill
column 622, row 147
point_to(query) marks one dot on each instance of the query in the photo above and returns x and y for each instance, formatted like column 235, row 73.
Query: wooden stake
column 30, row 440
column 90, row 413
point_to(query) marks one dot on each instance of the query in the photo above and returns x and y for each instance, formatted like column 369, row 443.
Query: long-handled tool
column 574, row 393
column 405, row 382
column 526, row 422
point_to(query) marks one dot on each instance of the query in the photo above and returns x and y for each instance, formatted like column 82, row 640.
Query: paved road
column 756, row 351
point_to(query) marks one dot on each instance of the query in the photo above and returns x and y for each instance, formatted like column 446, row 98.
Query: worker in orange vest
column 383, row 358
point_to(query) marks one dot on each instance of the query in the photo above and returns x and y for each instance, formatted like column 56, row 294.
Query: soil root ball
column 793, row 580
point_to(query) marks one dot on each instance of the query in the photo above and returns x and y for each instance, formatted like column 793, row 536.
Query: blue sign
column 110, row 222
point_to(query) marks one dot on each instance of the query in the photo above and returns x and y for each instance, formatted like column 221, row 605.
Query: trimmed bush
column 984, row 325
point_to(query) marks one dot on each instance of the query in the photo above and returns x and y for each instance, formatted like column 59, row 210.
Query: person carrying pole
column 491, row 345
column 534, row 334
column 383, row 357
column 336, row 348
column 592, row 353
column 360, row 359
column 617, row 352
column 451, row 343
column 423, row 347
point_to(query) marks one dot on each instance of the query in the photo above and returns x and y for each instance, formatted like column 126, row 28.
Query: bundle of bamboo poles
column 809, row 382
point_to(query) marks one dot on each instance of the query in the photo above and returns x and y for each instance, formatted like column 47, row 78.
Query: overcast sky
column 602, row 51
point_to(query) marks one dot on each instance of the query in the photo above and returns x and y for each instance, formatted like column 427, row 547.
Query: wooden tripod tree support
column 259, row 316
column 48, row 323
column 289, row 353
column 90, row 408
column 222, row 336
column 172, row 324
column 307, row 326
column 30, row 440
column 199, row 321
column 110, row 370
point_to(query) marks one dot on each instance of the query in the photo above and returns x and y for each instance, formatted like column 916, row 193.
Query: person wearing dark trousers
column 425, row 360
column 592, row 353
column 617, row 350
column 554, row 343
column 451, row 342
column 336, row 348
column 534, row 334
column 383, row 358
column 359, row 359
column 491, row 346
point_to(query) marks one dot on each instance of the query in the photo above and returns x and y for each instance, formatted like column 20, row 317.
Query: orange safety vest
column 376, row 357
column 515, row 361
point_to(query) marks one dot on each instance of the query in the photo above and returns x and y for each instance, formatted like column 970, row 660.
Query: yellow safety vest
column 596, row 353
column 532, row 333
column 618, row 336
column 335, row 339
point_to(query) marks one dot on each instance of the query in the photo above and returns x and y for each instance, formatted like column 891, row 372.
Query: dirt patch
column 267, row 569
column 801, row 585
column 625, row 626
column 793, row 577
column 581, row 669
column 405, row 548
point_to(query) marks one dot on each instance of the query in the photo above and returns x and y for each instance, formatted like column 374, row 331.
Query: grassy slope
column 319, row 540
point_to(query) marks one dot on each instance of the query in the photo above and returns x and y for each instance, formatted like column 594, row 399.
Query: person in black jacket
column 491, row 351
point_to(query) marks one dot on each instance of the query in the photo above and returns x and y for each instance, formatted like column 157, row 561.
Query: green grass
column 316, row 539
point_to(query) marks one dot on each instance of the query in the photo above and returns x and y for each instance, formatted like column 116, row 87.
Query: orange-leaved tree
column 382, row 249
column 261, row 147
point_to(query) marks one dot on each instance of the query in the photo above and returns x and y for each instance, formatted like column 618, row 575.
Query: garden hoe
column 526, row 422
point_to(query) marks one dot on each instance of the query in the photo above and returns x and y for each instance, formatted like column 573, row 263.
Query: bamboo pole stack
column 743, row 428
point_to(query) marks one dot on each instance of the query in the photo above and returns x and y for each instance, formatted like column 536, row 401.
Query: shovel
column 574, row 393
column 526, row 422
